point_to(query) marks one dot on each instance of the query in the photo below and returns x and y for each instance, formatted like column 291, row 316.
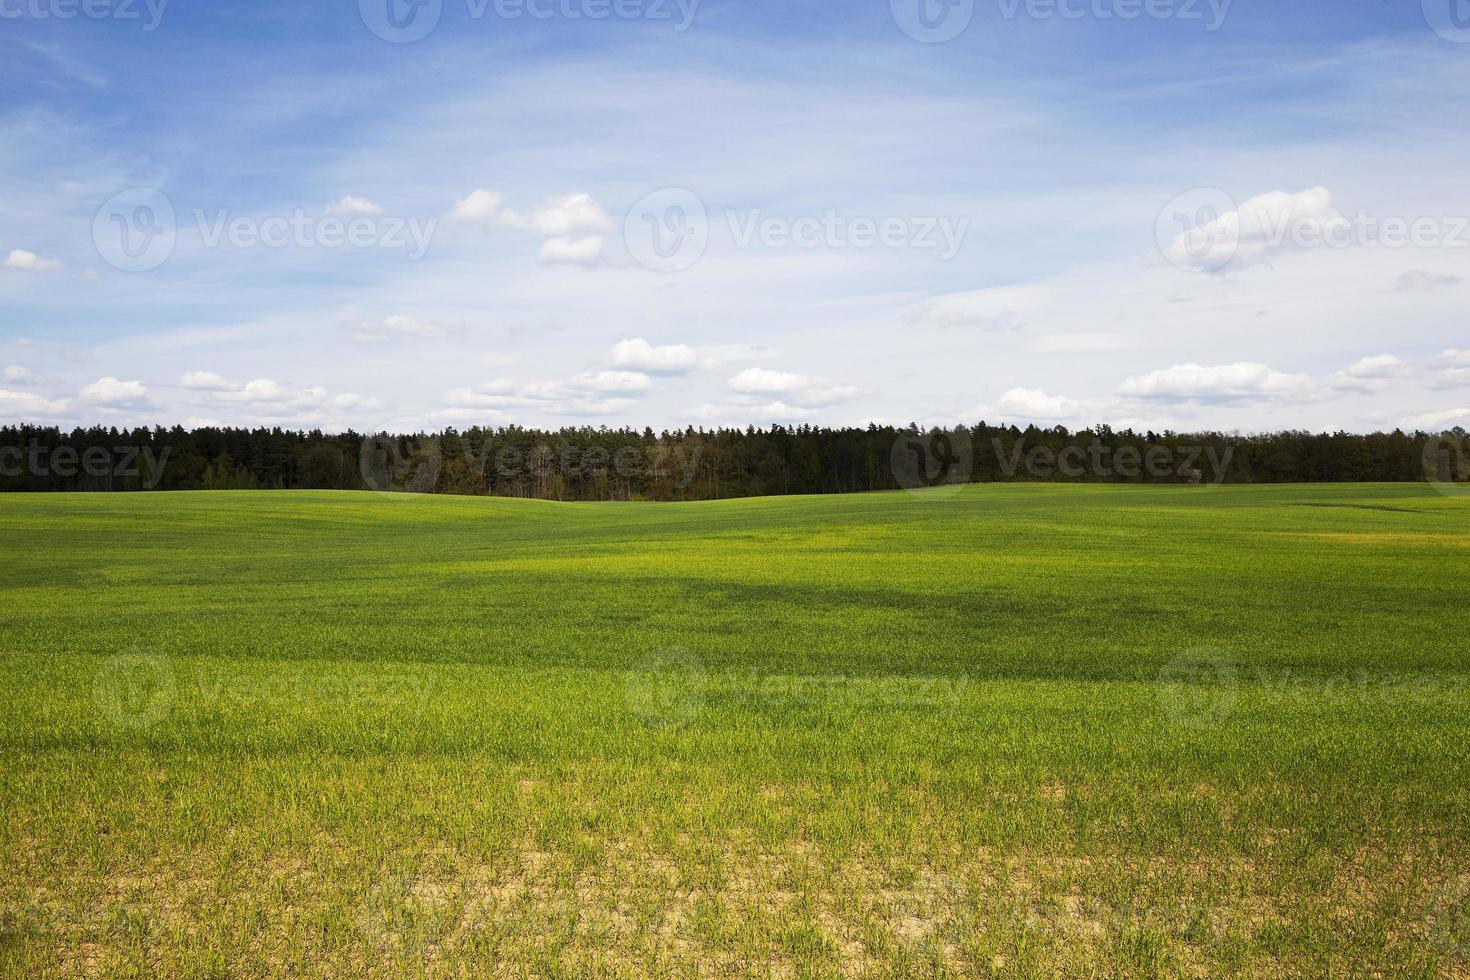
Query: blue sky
column 1176, row 214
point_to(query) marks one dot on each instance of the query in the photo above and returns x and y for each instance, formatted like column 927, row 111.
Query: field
column 1023, row 730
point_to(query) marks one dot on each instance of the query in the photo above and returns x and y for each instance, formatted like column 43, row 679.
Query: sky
column 408, row 214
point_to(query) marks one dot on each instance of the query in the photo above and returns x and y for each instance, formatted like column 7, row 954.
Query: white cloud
column 584, row 394
column 1265, row 224
column 800, row 393
column 269, row 398
column 23, row 404
column 561, row 216
column 1218, row 383
column 1378, row 366
column 1438, row 421
column 571, row 226
column 571, row 251
column 754, row 413
column 470, row 416
column 399, row 326
column 349, row 401
column 1370, row 373
column 1419, row 280
column 575, row 405
column 259, row 390
column 204, row 381
column 1453, row 369
column 350, row 205
column 18, row 376
column 266, row 397
column 1033, row 403
column 265, row 400
column 480, row 205
column 1452, row 378
column 753, row 380
column 109, row 392
column 639, row 355
column 20, row 258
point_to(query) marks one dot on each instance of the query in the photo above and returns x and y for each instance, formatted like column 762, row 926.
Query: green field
column 1021, row 730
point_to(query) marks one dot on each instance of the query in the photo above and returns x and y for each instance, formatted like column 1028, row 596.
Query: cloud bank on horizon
column 1171, row 216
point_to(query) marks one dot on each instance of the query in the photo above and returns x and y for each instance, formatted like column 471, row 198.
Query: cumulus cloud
column 349, row 401
column 1033, row 403
column 1453, row 368
column 25, row 405
column 480, row 205
column 1378, row 366
column 1370, row 373
column 16, row 375
column 397, row 327
column 571, row 226
column 756, row 412
column 561, row 216
column 266, row 398
column 262, row 397
column 259, row 390
column 1419, row 281
column 1223, row 382
column 802, row 391
column 109, row 392
column 1438, row 421
column 638, row 354
column 1452, row 378
column 466, row 416
column 571, row 251
column 761, row 380
column 350, row 205
column 20, row 258
column 589, row 393
column 1261, row 227
column 532, row 399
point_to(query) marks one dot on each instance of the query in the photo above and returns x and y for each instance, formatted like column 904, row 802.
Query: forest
column 587, row 463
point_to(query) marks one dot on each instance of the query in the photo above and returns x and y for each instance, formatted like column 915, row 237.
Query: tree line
column 600, row 463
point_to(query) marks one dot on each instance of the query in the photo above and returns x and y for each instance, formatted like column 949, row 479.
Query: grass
column 1020, row 730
